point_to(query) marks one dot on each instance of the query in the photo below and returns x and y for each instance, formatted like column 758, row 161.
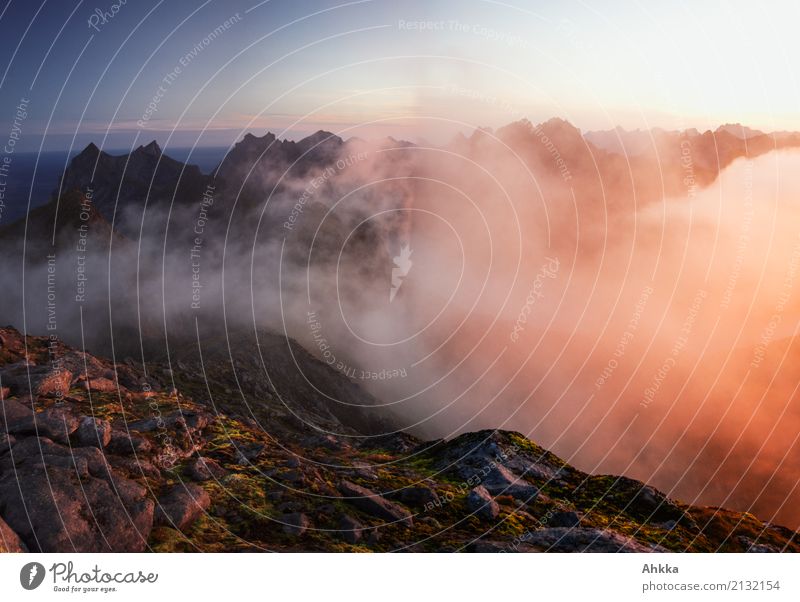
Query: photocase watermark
column 402, row 266
column 687, row 166
column 768, row 334
column 475, row 479
column 31, row 575
column 66, row 579
column 184, row 61
column 561, row 164
column 101, row 17
column 678, row 346
column 169, row 456
column 488, row 99
column 460, row 27
column 516, row 114
column 626, row 338
column 329, row 357
column 195, row 252
column 316, row 183
column 744, row 236
column 9, row 147
column 81, row 246
column 56, row 365
column 549, row 269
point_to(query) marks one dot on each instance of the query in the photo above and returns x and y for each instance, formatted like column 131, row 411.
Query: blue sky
column 368, row 68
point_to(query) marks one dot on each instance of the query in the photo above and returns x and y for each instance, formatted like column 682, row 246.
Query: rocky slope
column 97, row 456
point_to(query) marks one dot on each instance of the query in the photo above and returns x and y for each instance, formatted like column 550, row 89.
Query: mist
column 630, row 328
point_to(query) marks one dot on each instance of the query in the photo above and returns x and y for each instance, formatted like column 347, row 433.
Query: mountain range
column 187, row 423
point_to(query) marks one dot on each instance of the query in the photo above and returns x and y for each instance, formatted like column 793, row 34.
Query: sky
column 412, row 69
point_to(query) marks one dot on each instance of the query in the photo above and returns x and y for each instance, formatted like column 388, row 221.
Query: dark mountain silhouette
column 121, row 186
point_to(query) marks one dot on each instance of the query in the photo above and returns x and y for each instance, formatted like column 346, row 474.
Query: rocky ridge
column 98, row 456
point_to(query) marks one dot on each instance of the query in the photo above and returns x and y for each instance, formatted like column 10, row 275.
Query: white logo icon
column 403, row 265
column 31, row 575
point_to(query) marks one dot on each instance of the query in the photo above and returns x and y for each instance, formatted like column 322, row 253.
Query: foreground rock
column 182, row 505
column 205, row 469
column 36, row 381
column 480, row 501
column 562, row 539
column 10, row 541
column 372, row 503
column 295, row 524
column 57, row 501
column 55, row 423
column 92, row 431
column 84, row 472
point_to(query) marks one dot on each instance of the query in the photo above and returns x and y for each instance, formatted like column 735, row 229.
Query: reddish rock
column 373, row 503
column 93, row 432
column 55, row 423
column 10, row 541
column 182, row 505
column 55, row 510
column 204, row 469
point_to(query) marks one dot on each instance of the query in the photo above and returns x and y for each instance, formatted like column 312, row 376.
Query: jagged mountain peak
column 152, row 149
column 737, row 129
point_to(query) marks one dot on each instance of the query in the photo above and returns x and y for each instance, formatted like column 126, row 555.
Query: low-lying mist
column 468, row 289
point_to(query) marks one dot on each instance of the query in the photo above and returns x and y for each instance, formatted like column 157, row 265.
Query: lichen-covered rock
column 122, row 444
column 36, row 381
column 54, row 508
column 562, row 539
column 204, row 469
column 93, row 432
column 373, row 503
column 350, row 529
column 56, row 423
column 480, row 501
column 181, row 505
column 10, row 541
column 295, row 523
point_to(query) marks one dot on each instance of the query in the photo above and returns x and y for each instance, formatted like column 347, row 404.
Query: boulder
column 83, row 366
column 480, row 501
column 54, row 510
column 177, row 420
column 12, row 411
column 563, row 519
column 122, row 444
column 753, row 547
column 246, row 453
column 181, row 505
column 6, row 442
column 204, row 469
column 295, row 524
column 501, row 481
column 55, row 423
column 373, row 503
column 134, row 467
column 41, row 451
column 36, row 381
column 93, row 432
column 350, row 529
column 101, row 385
column 564, row 539
column 10, row 541
column 416, row 496
column 642, row 502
